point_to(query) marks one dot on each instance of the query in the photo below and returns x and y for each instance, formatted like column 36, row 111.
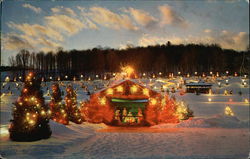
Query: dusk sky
column 47, row 25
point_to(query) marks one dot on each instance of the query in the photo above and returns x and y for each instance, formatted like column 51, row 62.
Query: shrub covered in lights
column 74, row 113
column 58, row 109
column 30, row 114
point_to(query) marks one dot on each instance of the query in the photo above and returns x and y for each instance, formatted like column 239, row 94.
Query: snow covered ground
column 210, row 134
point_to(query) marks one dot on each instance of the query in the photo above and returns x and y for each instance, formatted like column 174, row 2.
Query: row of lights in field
column 144, row 75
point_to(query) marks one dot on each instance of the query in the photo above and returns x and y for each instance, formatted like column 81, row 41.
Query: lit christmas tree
column 30, row 114
column 59, row 112
column 71, row 105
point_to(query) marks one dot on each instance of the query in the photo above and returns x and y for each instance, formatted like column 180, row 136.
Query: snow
column 210, row 134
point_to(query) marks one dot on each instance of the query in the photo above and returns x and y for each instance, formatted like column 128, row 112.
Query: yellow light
column 128, row 70
column 119, row 89
column 49, row 112
column 31, row 122
column 145, row 92
column 62, row 111
column 228, row 111
column 20, row 103
column 43, row 112
column 27, row 113
column 34, row 115
column 102, row 101
column 209, row 99
column 109, row 91
column 246, row 100
column 153, row 101
column 133, row 89
column 32, row 98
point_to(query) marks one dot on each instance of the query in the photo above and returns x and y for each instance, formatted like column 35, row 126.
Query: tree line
column 159, row 58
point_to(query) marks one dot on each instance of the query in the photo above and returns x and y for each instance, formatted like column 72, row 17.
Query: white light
column 50, row 77
column 81, row 76
column 4, row 131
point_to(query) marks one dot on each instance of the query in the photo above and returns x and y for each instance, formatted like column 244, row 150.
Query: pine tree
column 58, row 109
column 74, row 113
column 30, row 114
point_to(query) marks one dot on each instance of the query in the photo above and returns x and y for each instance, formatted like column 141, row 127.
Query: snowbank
column 217, row 121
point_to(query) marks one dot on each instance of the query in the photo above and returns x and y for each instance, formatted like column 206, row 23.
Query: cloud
column 35, row 9
column 63, row 10
column 207, row 31
column 170, row 17
column 147, row 40
column 226, row 39
column 65, row 23
column 36, row 30
column 141, row 17
column 12, row 41
column 107, row 18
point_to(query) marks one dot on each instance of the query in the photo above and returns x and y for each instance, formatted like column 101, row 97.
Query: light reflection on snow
column 4, row 131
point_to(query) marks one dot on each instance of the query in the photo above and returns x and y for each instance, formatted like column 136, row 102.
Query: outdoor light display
column 127, row 102
column 58, row 109
column 30, row 114
column 74, row 114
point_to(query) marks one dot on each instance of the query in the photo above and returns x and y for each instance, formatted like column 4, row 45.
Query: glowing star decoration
column 119, row 89
column 103, row 101
column 109, row 91
column 128, row 70
column 153, row 101
column 145, row 92
column 228, row 111
column 133, row 89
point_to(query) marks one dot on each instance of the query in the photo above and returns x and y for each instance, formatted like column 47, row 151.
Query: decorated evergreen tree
column 74, row 113
column 58, row 109
column 30, row 114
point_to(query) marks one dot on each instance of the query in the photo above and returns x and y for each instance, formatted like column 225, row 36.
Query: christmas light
column 66, row 76
column 153, row 101
column 246, row 100
column 133, row 89
column 109, row 91
column 145, row 91
column 81, row 76
column 209, row 99
column 119, row 89
column 195, row 73
column 43, row 112
column 228, row 111
column 144, row 74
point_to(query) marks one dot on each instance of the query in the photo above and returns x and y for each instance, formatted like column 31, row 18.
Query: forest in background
column 166, row 58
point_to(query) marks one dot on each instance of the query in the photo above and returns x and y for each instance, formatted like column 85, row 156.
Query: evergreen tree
column 59, row 112
column 71, row 104
column 30, row 114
